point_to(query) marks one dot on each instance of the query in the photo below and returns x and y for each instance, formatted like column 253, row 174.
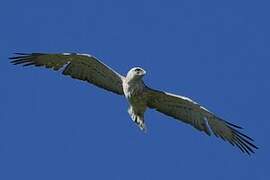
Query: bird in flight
column 139, row 96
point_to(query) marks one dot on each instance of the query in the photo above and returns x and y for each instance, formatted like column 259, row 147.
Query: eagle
column 139, row 96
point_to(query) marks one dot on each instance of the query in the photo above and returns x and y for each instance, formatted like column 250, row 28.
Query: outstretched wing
column 79, row 66
column 188, row 111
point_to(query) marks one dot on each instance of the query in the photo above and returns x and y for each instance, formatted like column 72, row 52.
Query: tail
column 138, row 119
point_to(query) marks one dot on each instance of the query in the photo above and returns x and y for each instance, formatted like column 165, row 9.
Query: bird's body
column 135, row 93
column 139, row 96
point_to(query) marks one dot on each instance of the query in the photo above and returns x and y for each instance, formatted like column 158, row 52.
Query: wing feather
column 188, row 111
column 79, row 66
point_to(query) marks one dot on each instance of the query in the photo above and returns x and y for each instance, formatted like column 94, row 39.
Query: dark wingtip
column 243, row 142
column 233, row 125
column 238, row 132
column 20, row 56
column 16, row 57
column 24, row 54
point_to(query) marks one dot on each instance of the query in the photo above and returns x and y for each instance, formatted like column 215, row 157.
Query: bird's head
column 136, row 73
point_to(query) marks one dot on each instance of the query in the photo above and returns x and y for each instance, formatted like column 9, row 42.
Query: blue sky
column 53, row 127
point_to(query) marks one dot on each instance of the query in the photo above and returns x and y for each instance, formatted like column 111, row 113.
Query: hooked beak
column 144, row 72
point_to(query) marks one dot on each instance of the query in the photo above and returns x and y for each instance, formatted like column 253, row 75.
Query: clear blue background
column 53, row 127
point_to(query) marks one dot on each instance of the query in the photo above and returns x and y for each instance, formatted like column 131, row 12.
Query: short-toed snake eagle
column 139, row 96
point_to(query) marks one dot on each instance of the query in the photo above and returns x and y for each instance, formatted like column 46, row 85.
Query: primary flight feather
column 140, row 97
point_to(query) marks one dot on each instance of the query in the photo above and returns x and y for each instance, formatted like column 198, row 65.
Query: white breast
column 134, row 93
